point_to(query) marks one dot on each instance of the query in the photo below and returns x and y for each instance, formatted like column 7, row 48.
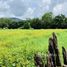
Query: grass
column 17, row 47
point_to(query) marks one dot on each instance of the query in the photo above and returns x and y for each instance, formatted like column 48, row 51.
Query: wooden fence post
column 56, row 50
column 38, row 61
column 51, row 51
column 64, row 55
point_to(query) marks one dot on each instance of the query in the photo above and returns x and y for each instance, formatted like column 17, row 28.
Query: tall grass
column 17, row 47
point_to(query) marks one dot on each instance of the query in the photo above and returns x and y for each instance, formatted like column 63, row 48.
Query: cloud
column 17, row 7
column 60, row 9
column 29, row 13
column 3, row 6
column 31, row 8
column 4, row 9
column 39, row 7
column 23, row 8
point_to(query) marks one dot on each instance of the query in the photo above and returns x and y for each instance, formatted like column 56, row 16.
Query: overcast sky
column 31, row 8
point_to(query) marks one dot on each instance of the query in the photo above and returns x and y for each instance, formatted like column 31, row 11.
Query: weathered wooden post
column 56, row 50
column 49, row 61
column 64, row 55
column 38, row 61
column 51, row 52
column 53, row 59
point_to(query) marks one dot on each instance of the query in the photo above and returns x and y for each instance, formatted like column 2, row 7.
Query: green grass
column 17, row 47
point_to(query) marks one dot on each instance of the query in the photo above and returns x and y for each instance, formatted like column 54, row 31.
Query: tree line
column 47, row 21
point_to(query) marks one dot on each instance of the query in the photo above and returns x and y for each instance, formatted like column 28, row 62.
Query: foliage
column 59, row 21
column 47, row 21
column 36, row 23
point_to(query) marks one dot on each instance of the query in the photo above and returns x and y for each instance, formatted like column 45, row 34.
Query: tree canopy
column 48, row 20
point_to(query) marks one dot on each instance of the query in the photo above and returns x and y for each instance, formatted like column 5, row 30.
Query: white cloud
column 29, row 13
column 3, row 6
column 47, row 2
column 5, row 9
column 60, row 9
column 17, row 7
column 31, row 8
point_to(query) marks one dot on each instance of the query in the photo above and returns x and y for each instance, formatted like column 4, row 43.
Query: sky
column 31, row 8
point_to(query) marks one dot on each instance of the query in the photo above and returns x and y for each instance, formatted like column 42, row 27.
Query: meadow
column 17, row 46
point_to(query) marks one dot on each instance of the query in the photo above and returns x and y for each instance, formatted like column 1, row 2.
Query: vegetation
column 17, row 47
column 47, row 21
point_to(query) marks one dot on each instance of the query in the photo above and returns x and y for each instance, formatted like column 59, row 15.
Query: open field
column 17, row 46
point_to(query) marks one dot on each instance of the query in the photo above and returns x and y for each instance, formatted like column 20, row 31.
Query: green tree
column 26, row 25
column 58, row 21
column 36, row 23
column 4, row 22
column 47, row 20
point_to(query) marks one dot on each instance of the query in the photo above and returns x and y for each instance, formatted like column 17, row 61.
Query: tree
column 26, row 25
column 4, row 22
column 13, row 25
column 47, row 19
column 36, row 23
column 58, row 21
